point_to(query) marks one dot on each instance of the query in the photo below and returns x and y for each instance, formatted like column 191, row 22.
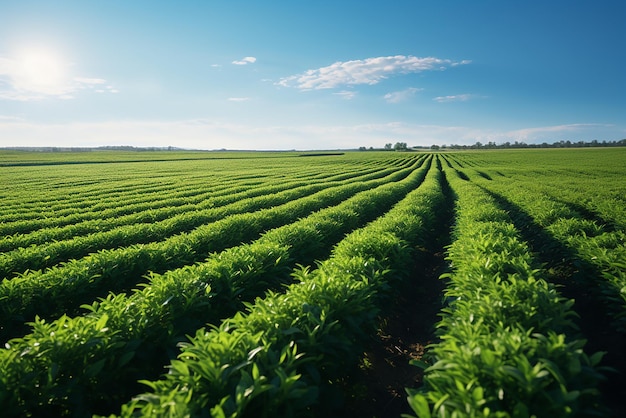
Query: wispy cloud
column 85, row 81
column 238, row 99
column 33, row 77
column 368, row 71
column 346, row 94
column 401, row 96
column 97, row 84
column 454, row 98
column 6, row 118
column 245, row 61
column 107, row 89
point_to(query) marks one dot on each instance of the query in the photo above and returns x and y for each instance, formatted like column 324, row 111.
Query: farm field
column 171, row 283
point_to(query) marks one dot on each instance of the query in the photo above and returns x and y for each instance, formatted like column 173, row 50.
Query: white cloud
column 245, row 61
column 238, row 99
column 85, row 81
column 368, row 71
column 346, row 94
column 7, row 118
column 37, row 75
column 454, row 98
column 401, row 96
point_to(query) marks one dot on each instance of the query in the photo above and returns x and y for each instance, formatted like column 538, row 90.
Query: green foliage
column 180, row 301
column 582, row 234
column 504, row 347
column 316, row 328
column 276, row 269
column 65, row 287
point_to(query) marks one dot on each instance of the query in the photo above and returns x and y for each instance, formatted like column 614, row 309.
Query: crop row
column 196, row 244
column 508, row 345
column 90, row 355
column 583, row 219
column 131, row 181
column 63, row 288
column 185, row 218
column 99, row 208
column 597, row 250
column 280, row 356
column 590, row 193
column 78, row 207
column 99, row 218
column 103, row 194
column 58, row 230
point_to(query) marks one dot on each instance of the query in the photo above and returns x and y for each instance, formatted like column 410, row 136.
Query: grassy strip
column 97, row 359
column 278, row 358
column 506, row 346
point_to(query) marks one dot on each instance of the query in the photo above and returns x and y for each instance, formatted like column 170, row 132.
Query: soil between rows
column 376, row 387
column 407, row 326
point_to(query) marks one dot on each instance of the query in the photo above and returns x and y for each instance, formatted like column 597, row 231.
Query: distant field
column 355, row 284
column 18, row 158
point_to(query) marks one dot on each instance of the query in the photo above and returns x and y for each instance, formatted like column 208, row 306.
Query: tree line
column 402, row 146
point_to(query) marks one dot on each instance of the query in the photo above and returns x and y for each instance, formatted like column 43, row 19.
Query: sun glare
column 40, row 70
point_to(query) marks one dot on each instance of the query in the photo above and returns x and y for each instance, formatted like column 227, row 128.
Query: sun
column 40, row 70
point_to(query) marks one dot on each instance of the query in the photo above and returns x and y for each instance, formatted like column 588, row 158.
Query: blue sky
column 310, row 74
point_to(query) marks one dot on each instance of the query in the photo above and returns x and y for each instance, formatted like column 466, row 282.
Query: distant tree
column 402, row 146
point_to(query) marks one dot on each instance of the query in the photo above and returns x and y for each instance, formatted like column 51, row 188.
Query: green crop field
column 187, row 284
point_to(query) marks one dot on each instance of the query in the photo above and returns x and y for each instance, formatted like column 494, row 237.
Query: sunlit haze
column 310, row 75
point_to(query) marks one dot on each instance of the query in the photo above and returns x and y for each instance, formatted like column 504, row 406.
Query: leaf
column 419, row 405
column 419, row 363
column 478, row 394
column 126, row 358
column 252, row 353
column 596, row 358
column 574, row 366
column 292, row 330
column 255, row 371
column 93, row 369
column 102, row 322
column 440, row 402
